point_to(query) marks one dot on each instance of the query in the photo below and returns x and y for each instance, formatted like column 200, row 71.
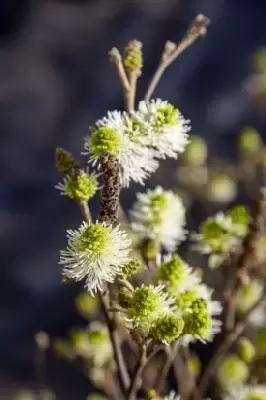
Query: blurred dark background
column 55, row 80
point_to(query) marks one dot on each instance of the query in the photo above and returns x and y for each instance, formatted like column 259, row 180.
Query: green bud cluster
column 82, row 188
column 144, row 303
column 240, row 218
column 172, row 272
column 131, row 268
column 167, row 328
column 104, row 140
column 199, row 321
column 214, row 235
column 65, row 162
column 133, row 56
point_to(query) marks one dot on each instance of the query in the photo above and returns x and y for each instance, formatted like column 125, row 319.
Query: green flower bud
column 82, row 188
column 144, row 303
column 184, row 300
column 199, row 321
column 213, row 234
column 194, row 365
column 131, row 268
column 133, row 56
column 196, row 152
column 167, row 328
column 260, row 342
column 221, row 189
column 232, row 372
column 248, row 295
column 240, row 218
column 104, row 140
column 172, row 271
column 87, row 305
column 249, row 140
column 95, row 238
column 65, row 162
column 246, row 349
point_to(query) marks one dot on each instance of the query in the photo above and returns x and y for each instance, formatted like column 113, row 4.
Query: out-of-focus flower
column 160, row 215
column 249, row 140
column 167, row 128
column 196, row 152
column 221, row 189
column 232, row 372
column 246, row 349
column 95, row 252
column 248, row 295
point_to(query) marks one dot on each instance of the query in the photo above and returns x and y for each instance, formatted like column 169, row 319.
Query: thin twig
column 197, row 29
column 138, row 372
column 170, row 356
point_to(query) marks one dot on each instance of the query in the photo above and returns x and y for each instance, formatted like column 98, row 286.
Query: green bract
column 82, row 188
column 104, row 140
column 95, row 238
column 167, row 328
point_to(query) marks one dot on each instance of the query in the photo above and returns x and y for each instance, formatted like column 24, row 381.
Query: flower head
column 81, row 187
column 232, row 372
column 125, row 138
column 167, row 328
column 167, row 128
column 160, row 215
column 96, row 252
column 148, row 303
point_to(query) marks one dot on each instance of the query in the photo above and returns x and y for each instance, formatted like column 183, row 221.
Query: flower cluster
column 159, row 215
column 222, row 234
column 95, row 252
column 156, row 130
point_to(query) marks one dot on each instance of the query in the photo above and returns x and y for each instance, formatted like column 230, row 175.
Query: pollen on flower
column 81, row 187
column 95, row 238
column 104, row 140
column 167, row 328
column 172, row 271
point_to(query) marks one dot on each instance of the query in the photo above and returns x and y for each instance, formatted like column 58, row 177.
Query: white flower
column 96, row 252
column 257, row 392
column 100, row 347
column 128, row 142
column 81, row 187
column 167, row 128
column 160, row 215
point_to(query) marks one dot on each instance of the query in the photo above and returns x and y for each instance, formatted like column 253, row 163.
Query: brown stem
column 197, row 29
column 170, row 356
column 138, row 372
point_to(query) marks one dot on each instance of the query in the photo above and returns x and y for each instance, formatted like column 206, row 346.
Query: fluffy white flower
column 257, row 392
column 137, row 160
column 160, row 215
column 167, row 128
column 95, row 252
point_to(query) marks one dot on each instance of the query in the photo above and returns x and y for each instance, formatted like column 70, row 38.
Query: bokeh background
column 55, row 80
